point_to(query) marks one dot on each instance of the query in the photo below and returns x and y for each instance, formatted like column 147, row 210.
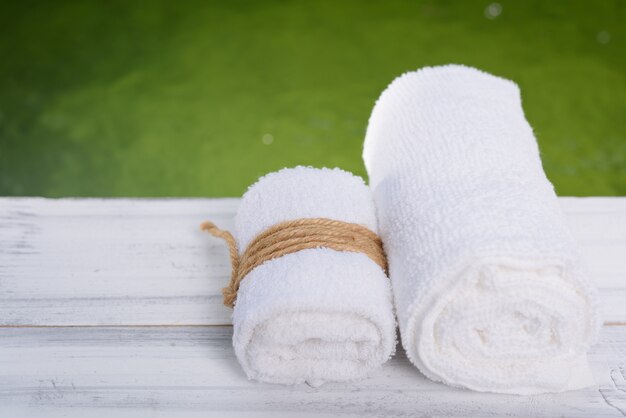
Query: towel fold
column 489, row 289
column 315, row 315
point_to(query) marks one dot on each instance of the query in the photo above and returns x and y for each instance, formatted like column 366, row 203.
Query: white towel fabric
column 316, row 315
column 488, row 286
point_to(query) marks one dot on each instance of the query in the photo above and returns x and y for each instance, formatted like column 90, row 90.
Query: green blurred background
column 198, row 98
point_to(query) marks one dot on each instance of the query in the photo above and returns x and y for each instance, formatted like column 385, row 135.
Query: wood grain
column 192, row 370
column 145, row 261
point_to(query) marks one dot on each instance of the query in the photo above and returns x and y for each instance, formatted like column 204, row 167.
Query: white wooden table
column 113, row 308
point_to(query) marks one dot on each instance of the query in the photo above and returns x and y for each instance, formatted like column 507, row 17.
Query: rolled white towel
column 489, row 289
column 315, row 315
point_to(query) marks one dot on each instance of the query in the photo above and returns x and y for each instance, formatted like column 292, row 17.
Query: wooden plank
column 145, row 262
column 599, row 227
column 112, row 261
column 192, row 370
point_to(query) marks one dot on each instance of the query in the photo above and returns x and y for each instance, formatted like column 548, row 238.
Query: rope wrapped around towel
column 292, row 236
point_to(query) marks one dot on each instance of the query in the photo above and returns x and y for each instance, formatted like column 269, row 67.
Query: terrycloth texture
column 489, row 290
column 316, row 315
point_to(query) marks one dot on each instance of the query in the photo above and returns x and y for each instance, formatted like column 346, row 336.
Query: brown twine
column 292, row 236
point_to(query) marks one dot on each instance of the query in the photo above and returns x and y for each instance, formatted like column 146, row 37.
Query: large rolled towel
column 318, row 314
column 489, row 289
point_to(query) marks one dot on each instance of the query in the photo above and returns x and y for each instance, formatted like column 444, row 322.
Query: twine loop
column 292, row 236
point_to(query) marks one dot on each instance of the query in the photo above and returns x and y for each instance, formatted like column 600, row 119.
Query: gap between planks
column 122, row 326
column 606, row 324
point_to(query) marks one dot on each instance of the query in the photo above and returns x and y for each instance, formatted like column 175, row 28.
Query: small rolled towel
column 489, row 290
column 317, row 314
